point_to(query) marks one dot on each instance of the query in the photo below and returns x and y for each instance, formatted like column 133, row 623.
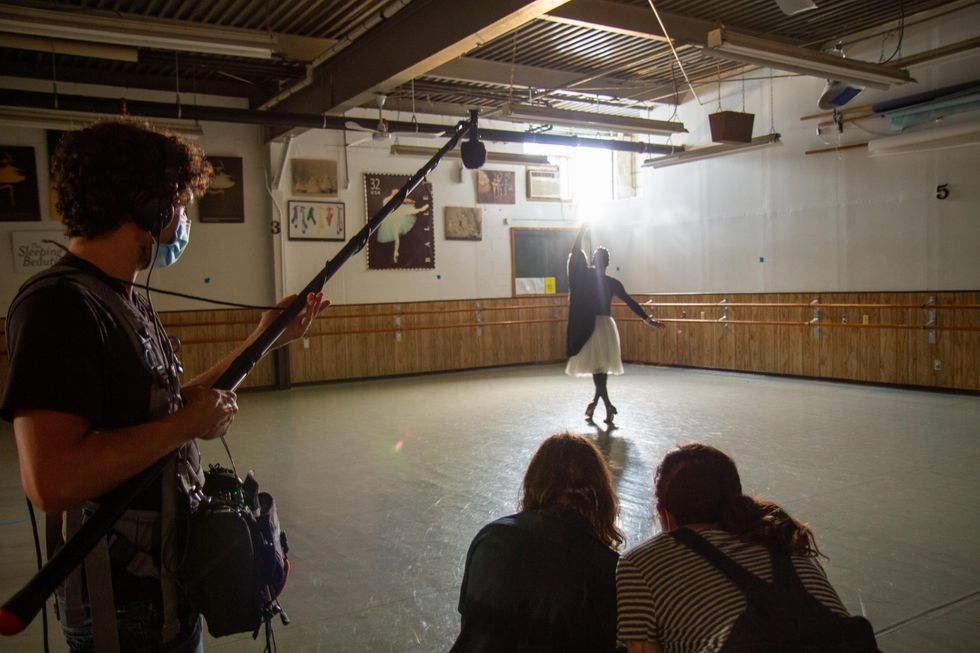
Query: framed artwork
column 463, row 223
column 404, row 241
column 225, row 199
column 18, row 185
column 314, row 177
column 495, row 187
column 544, row 184
column 309, row 220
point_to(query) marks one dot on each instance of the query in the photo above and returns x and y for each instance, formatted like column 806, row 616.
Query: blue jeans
column 140, row 625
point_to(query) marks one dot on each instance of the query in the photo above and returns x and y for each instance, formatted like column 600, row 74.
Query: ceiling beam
column 185, row 36
column 631, row 21
column 421, row 36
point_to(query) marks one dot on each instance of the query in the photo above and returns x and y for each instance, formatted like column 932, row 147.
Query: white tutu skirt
column 601, row 354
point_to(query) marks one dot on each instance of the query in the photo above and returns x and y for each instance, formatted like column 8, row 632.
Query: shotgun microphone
column 473, row 152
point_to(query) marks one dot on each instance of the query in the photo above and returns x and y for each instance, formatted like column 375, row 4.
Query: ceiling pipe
column 145, row 109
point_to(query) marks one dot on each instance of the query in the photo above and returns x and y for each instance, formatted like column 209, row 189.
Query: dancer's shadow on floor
column 632, row 478
column 613, row 449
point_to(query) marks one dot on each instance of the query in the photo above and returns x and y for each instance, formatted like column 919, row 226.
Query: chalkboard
column 539, row 257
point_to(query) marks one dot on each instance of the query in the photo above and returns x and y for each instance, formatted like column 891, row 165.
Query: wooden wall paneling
column 208, row 336
column 789, row 339
column 485, row 345
column 447, row 336
column 655, row 345
column 868, row 354
column 701, row 339
column 765, row 336
column 471, row 338
column 841, row 344
column 958, row 351
column 372, row 350
column 329, row 353
column 640, row 350
column 674, row 351
column 723, row 341
column 428, row 337
column 894, row 345
column 747, row 350
column 357, row 341
column 845, row 342
column 922, row 352
column 408, row 350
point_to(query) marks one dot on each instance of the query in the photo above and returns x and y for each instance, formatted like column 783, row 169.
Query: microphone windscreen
column 474, row 154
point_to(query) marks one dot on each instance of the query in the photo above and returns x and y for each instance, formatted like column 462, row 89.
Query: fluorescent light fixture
column 791, row 7
column 773, row 54
column 74, row 48
column 941, row 138
column 712, row 151
column 492, row 157
column 145, row 32
column 66, row 120
column 589, row 120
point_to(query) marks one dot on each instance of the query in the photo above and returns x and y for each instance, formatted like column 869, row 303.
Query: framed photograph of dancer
column 405, row 240
column 225, row 199
column 18, row 185
column 314, row 177
column 495, row 187
column 309, row 220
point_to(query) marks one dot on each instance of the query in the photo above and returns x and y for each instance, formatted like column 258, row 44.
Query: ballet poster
column 404, row 241
column 18, row 184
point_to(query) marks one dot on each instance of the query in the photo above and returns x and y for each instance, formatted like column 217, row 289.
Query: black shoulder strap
column 743, row 579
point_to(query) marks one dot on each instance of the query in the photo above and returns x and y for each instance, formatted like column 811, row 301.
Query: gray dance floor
column 382, row 484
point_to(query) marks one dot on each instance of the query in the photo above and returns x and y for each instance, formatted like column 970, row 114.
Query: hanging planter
column 731, row 126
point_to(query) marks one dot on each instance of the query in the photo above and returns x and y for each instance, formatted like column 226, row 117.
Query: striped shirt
column 668, row 594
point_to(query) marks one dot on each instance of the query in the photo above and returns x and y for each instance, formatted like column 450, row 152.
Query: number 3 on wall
column 942, row 191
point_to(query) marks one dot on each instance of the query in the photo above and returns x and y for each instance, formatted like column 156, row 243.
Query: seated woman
column 673, row 598
column 543, row 580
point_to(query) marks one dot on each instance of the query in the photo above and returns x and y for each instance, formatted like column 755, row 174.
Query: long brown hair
column 697, row 483
column 568, row 470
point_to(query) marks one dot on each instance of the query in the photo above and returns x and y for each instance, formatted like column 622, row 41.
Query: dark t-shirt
column 68, row 353
column 538, row 581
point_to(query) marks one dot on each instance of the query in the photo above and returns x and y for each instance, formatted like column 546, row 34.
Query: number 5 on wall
column 942, row 191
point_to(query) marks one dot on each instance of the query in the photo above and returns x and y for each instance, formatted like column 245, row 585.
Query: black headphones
column 152, row 211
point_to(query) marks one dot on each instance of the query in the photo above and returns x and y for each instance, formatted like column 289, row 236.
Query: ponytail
column 764, row 522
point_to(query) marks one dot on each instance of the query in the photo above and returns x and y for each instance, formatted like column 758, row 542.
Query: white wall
column 825, row 222
column 463, row 269
column 224, row 261
column 828, row 222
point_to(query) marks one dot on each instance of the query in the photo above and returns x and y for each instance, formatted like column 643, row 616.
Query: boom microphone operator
column 22, row 607
column 473, row 152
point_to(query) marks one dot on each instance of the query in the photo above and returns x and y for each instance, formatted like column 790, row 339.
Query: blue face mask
column 168, row 253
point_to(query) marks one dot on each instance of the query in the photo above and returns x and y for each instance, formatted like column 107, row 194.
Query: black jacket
column 538, row 581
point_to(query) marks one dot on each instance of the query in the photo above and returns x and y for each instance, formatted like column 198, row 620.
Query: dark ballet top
column 590, row 294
